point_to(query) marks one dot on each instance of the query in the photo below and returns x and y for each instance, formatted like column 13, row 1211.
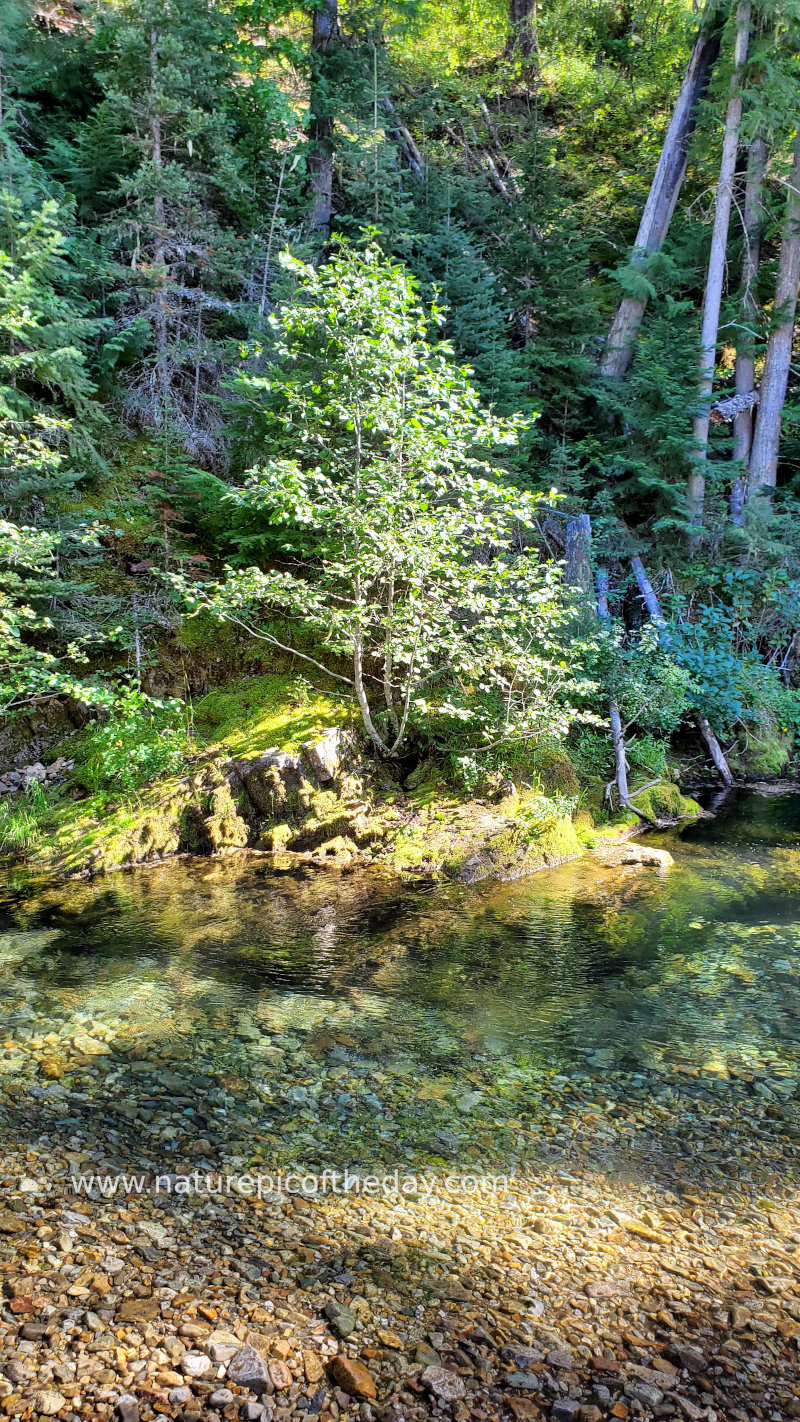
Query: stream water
column 224, row 1009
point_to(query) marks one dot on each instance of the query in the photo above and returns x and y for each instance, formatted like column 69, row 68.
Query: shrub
column 141, row 740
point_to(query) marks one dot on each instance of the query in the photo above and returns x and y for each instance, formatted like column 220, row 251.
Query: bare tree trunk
column 522, row 20
column 714, row 750
column 663, row 195
column 617, row 736
column 414, row 158
column 578, row 553
column 324, row 39
column 716, row 273
column 650, row 600
column 745, row 361
column 263, row 302
column 766, row 440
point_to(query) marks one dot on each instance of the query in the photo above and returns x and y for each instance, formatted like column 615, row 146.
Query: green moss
column 224, row 826
column 768, row 754
column 665, row 802
column 257, row 713
column 557, row 774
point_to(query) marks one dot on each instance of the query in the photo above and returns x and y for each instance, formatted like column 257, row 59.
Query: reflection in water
column 580, row 957
column 322, row 984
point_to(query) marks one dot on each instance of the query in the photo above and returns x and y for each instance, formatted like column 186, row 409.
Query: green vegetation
column 250, row 716
column 339, row 367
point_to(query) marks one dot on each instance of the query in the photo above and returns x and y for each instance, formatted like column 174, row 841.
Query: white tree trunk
column 766, row 440
column 716, row 271
column 745, row 361
column 664, row 191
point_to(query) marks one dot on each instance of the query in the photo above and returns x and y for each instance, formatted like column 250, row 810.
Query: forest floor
column 644, row 1262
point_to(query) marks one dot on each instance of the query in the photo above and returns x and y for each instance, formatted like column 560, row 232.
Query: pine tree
column 180, row 273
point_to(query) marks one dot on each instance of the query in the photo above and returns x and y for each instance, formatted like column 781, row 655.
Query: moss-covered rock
column 665, row 802
column 765, row 755
column 225, row 828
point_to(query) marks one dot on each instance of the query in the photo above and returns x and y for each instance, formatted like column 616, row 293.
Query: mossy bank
column 274, row 769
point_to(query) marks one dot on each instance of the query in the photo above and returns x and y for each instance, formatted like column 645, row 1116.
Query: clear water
column 452, row 1005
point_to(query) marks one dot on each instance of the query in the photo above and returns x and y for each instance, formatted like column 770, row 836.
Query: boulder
column 272, row 781
column 647, row 854
column 324, row 756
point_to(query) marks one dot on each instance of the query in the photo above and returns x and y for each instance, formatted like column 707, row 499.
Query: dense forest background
column 159, row 158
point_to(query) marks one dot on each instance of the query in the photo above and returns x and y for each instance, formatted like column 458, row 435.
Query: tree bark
column 767, row 437
column 716, row 273
column 578, row 553
column 522, row 20
column 324, row 40
column 714, row 750
column 745, row 360
column 664, row 191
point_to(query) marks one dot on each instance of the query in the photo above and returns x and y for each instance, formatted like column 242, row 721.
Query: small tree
column 406, row 552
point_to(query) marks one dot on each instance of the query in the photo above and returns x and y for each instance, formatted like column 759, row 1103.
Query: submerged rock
column 647, row 854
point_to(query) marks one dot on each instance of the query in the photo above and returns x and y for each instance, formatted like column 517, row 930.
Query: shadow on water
column 209, row 1010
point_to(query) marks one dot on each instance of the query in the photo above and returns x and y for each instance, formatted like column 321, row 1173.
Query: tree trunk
column 664, row 192
column 324, row 40
column 745, row 361
column 716, row 273
column 578, row 553
column 522, row 20
column 650, row 600
column 714, row 750
column 766, row 440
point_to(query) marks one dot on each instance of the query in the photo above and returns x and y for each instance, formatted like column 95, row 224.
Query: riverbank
column 270, row 769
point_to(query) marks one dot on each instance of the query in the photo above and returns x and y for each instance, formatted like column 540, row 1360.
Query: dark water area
column 286, row 1010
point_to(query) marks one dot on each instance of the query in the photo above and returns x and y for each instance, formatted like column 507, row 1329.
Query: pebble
column 445, row 1385
column 527, row 1382
column 194, row 1365
column 353, row 1377
column 248, row 1369
column 48, row 1404
column 342, row 1319
column 521, row 1357
column 565, row 1409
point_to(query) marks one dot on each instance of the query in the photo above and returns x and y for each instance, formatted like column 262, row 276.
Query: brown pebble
column 352, row 1377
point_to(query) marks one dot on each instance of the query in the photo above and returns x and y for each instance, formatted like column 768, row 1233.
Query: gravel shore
column 629, row 1272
